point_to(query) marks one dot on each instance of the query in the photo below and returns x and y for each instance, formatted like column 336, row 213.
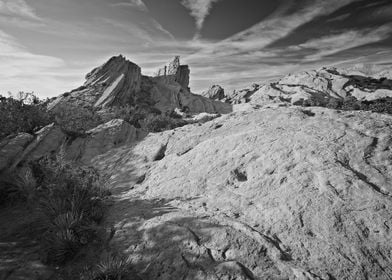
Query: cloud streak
column 17, row 8
column 138, row 4
column 199, row 10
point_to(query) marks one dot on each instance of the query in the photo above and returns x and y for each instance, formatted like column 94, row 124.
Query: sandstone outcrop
column 119, row 82
column 279, row 193
column 101, row 139
column 114, row 83
column 175, row 72
column 318, row 85
column 215, row 92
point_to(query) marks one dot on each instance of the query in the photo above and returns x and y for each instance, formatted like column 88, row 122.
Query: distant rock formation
column 176, row 72
column 119, row 82
column 215, row 92
column 319, row 86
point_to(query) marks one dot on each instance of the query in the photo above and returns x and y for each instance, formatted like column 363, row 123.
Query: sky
column 47, row 46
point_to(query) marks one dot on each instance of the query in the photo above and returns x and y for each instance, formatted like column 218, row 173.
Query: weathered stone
column 318, row 85
column 12, row 148
column 215, row 92
column 279, row 193
column 100, row 140
column 114, row 83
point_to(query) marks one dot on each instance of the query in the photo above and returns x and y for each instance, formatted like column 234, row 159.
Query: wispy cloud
column 17, row 8
column 199, row 9
column 23, row 70
column 138, row 4
column 329, row 45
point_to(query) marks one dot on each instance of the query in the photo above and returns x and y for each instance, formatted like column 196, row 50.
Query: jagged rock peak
column 116, row 82
column 176, row 72
column 215, row 92
column 112, row 68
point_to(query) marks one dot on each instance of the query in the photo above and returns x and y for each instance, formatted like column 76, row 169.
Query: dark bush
column 22, row 115
column 71, row 203
column 159, row 123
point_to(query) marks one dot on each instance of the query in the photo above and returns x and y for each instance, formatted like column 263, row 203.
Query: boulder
column 101, row 139
column 215, row 92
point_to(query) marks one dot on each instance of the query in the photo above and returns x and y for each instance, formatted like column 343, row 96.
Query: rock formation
column 119, row 82
column 114, row 83
column 215, row 92
column 176, row 72
column 319, row 85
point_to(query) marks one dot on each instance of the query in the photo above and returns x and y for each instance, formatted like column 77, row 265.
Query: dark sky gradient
column 49, row 45
column 228, row 17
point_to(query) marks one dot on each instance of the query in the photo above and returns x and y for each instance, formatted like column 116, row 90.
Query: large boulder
column 101, row 139
column 279, row 193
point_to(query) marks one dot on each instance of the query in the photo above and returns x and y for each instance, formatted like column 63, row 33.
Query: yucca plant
column 111, row 268
column 71, row 206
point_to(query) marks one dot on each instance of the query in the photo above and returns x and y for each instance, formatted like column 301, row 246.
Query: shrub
column 23, row 114
column 111, row 268
column 17, row 186
column 75, row 120
column 159, row 123
column 71, row 203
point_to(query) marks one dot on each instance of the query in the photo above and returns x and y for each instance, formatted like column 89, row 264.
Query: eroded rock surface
column 215, row 92
column 270, row 193
column 114, row 83
column 318, row 85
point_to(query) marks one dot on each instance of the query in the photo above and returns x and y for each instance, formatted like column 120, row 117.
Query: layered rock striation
column 319, row 86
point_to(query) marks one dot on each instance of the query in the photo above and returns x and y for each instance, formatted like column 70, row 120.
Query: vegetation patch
column 23, row 113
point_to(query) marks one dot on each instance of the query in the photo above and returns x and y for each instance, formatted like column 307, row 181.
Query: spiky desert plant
column 112, row 267
column 71, row 206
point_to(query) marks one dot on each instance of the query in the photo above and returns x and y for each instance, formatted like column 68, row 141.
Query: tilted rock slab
column 273, row 193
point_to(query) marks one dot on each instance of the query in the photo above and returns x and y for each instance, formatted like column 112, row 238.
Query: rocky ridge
column 320, row 86
column 119, row 82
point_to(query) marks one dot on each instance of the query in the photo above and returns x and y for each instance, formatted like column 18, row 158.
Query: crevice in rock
column 308, row 113
column 141, row 179
column 161, row 153
column 246, row 271
column 369, row 151
column 363, row 178
column 185, row 151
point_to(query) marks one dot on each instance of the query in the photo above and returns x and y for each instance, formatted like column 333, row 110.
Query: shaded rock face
column 279, row 193
column 114, row 83
column 215, row 92
column 319, row 85
column 100, row 140
column 10, row 149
